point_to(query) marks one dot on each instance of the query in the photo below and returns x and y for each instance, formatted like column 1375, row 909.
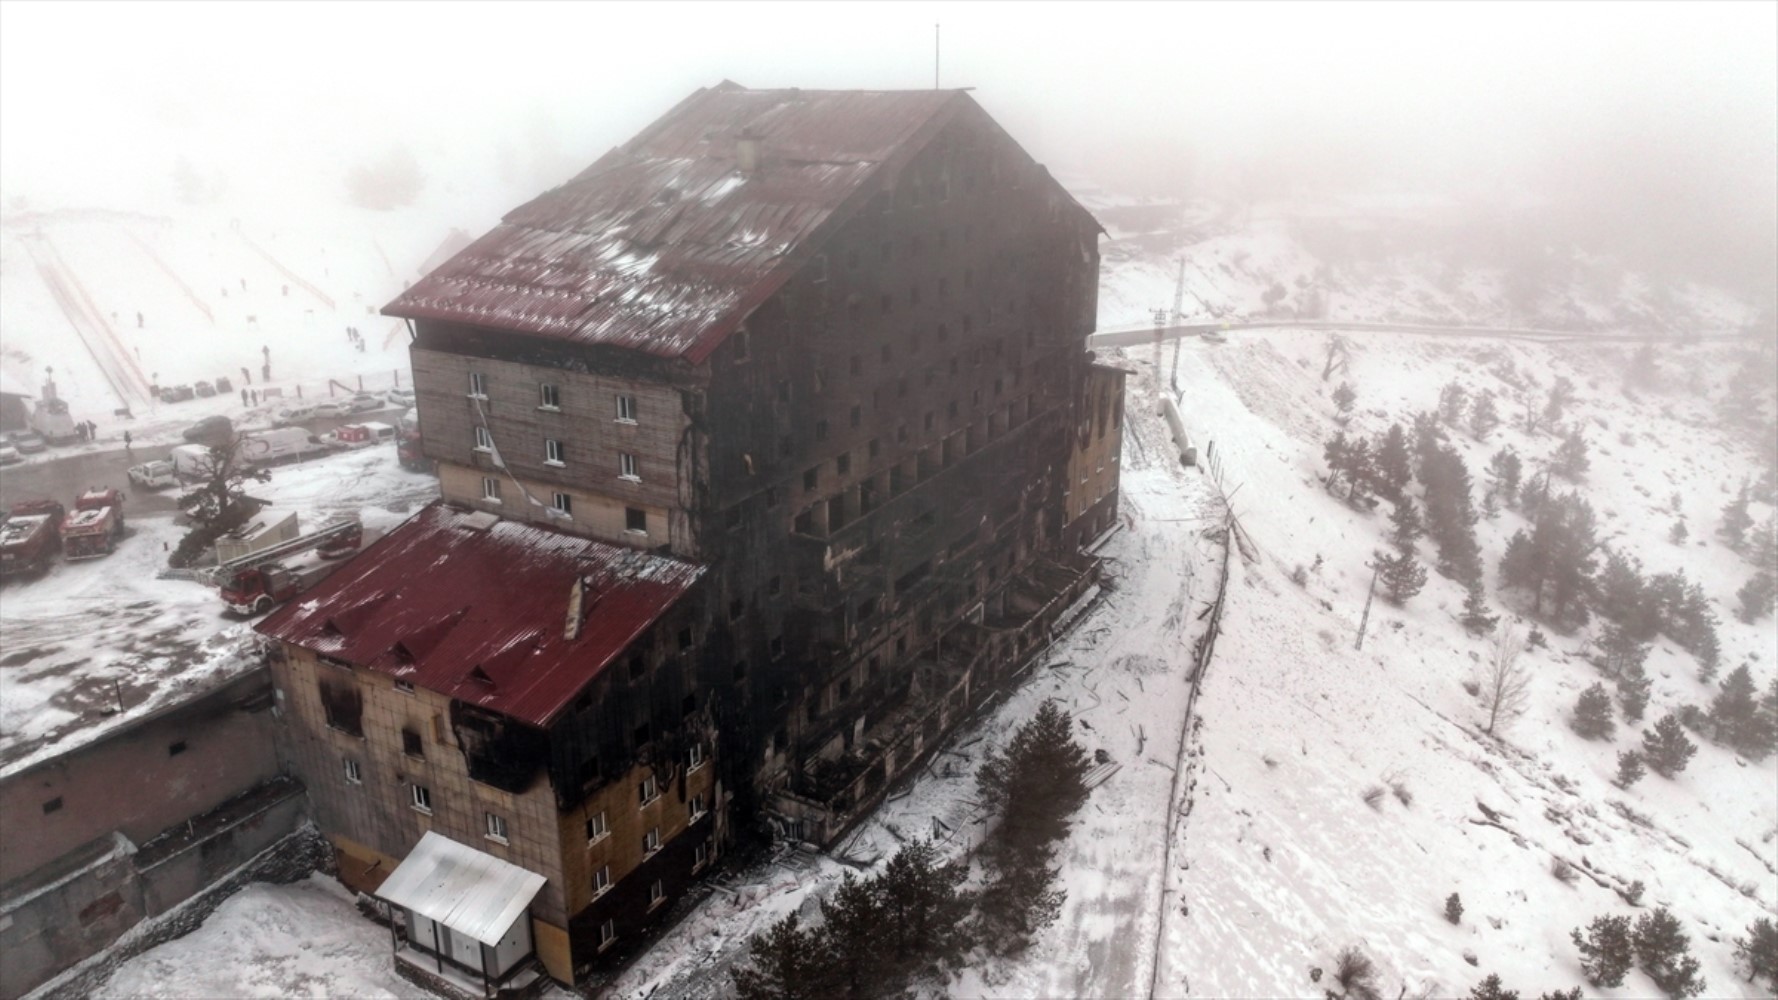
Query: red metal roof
column 459, row 603
column 664, row 245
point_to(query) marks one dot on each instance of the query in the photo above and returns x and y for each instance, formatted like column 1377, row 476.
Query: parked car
column 29, row 442
column 293, row 415
column 9, row 454
column 213, row 431
column 176, row 393
column 403, row 398
column 365, row 401
column 153, row 475
column 224, row 385
column 333, row 408
column 204, row 389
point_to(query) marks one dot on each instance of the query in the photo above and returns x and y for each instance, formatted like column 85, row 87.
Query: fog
column 1648, row 130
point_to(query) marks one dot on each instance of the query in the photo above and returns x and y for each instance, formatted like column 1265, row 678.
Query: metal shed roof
column 474, row 894
column 477, row 608
column 666, row 243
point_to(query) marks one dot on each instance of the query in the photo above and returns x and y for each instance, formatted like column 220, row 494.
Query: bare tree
column 1506, row 686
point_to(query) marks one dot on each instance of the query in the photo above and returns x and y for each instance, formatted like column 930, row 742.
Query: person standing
column 243, row 397
column 126, row 442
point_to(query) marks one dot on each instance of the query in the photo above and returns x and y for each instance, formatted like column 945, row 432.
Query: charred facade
column 830, row 348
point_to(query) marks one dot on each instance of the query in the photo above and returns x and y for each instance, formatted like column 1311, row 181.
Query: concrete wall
column 140, row 779
column 98, row 891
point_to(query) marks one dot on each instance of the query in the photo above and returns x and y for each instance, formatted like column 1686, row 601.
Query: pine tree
column 1734, row 712
column 788, row 963
column 1679, row 533
column 1629, row 768
column 1561, row 394
column 1037, row 782
column 1662, row 950
column 1476, row 618
column 1454, row 908
column 1632, row 692
column 1452, row 400
column 1758, row 951
column 1484, row 417
column 1402, row 575
column 1620, row 590
column 853, row 924
column 1394, row 465
column 1343, row 398
column 1021, row 900
column 923, row 904
column 1492, row 989
column 1504, row 470
column 1571, row 461
column 1592, row 714
column 1622, row 649
column 1407, row 527
column 1736, row 520
column 1765, row 546
column 1758, row 597
column 1607, row 951
column 1666, row 748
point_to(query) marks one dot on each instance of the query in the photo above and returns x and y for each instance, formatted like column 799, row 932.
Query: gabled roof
column 477, row 608
column 665, row 244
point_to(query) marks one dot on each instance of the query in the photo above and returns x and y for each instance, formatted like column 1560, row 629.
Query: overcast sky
column 1637, row 117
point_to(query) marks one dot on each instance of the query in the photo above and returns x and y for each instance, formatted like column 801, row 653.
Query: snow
column 88, row 632
column 302, row 939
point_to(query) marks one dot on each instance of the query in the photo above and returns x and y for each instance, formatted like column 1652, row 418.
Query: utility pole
column 1368, row 597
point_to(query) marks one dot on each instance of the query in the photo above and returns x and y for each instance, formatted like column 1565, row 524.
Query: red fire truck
column 29, row 537
column 255, row 582
column 93, row 527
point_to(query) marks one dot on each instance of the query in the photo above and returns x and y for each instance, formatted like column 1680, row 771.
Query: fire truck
column 255, row 582
column 93, row 527
column 29, row 537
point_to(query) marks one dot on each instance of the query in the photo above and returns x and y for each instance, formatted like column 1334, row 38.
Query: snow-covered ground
column 306, row 939
column 88, row 635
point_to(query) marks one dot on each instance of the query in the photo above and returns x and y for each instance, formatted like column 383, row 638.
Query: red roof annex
column 665, row 244
column 477, row 608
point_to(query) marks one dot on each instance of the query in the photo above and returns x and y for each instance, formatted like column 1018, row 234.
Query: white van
column 284, row 444
column 193, row 461
column 293, row 415
column 153, row 475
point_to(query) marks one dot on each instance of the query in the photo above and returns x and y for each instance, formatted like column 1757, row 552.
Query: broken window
column 342, row 705
column 410, row 743
column 636, row 520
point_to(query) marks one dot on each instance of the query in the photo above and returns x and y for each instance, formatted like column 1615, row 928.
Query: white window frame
column 696, row 808
column 405, row 687
column 626, row 409
column 549, row 397
column 694, row 757
column 648, row 790
column 628, row 467
column 484, row 438
column 657, row 893
column 562, row 503
column 607, row 935
column 478, row 385
column 420, row 797
column 601, row 881
column 700, row 856
column 651, row 842
column 553, row 452
column 491, row 490
column 496, row 827
column 601, row 829
column 354, row 773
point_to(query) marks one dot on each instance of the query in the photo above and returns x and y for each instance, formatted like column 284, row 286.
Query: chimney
column 747, row 152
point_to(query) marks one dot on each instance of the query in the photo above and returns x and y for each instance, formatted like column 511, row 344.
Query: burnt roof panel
column 478, row 611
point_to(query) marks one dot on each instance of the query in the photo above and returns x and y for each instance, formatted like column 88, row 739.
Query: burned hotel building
column 768, row 445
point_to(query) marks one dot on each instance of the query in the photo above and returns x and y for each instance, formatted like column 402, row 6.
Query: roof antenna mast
column 935, row 57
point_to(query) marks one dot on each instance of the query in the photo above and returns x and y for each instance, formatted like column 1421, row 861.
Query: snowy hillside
column 1285, row 862
column 1422, row 267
